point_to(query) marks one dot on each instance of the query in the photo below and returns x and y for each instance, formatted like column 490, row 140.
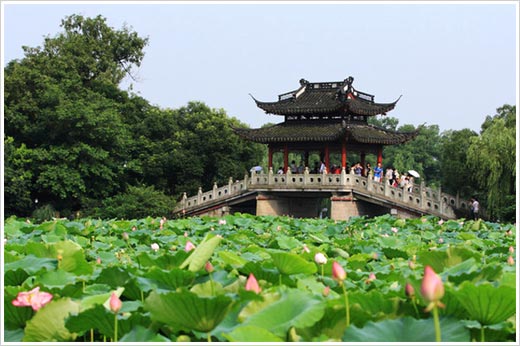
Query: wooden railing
column 420, row 198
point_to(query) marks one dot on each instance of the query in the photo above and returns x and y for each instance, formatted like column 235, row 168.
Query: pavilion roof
column 325, row 132
column 328, row 98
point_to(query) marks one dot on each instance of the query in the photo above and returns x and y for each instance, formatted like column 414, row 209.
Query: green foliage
column 167, row 295
column 44, row 213
column 492, row 157
column 136, row 202
column 456, row 174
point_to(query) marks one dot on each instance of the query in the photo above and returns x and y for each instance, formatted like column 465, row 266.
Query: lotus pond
column 243, row 278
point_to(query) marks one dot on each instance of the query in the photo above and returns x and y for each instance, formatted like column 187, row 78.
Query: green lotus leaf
column 392, row 252
column 289, row 263
column 141, row 334
column 439, row 260
column 73, row 257
column 13, row 335
column 170, row 279
column 48, row 324
column 113, row 276
column 186, row 310
column 232, row 259
column 279, row 312
column 101, row 319
column 15, row 277
column 14, row 316
column 287, row 242
column 486, row 303
column 56, row 279
column 252, row 334
column 201, row 254
column 32, row 264
column 407, row 329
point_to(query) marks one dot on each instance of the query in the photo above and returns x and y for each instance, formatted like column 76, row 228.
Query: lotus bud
column 189, row 246
column 326, row 291
column 409, row 290
column 511, row 249
column 511, row 261
column 338, row 273
column 306, row 248
column 125, row 236
column 252, row 284
column 155, row 247
column 115, row 303
column 209, row 267
column 98, row 260
column 320, row 258
column 432, row 288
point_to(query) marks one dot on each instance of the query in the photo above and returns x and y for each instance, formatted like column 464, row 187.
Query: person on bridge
column 378, row 171
column 474, row 205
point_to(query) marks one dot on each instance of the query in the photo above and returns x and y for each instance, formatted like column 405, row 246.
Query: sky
column 453, row 63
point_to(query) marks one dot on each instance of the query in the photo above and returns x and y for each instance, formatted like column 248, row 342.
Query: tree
column 456, row 174
column 421, row 154
column 62, row 103
column 492, row 156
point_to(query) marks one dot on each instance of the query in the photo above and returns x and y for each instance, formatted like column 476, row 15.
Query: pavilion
column 325, row 117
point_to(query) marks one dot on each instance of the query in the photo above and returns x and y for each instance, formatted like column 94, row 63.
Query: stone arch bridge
column 338, row 196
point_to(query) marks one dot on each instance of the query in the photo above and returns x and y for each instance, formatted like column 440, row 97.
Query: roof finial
column 303, row 82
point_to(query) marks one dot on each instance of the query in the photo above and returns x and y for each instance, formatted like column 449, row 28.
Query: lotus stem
column 415, row 308
column 482, row 334
column 347, row 306
column 91, row 335
column 211, row 283
column 115, row 327
column 437, row 324
column 322, row 273
column 209, row 337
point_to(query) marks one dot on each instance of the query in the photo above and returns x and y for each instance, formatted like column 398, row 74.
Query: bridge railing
column 420, row 197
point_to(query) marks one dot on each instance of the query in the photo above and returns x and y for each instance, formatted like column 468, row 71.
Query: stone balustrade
column 421, row 198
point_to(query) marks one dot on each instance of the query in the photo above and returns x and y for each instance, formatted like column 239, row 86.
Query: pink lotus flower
column 440, row 222
column 511, row 261
column 155, row 247
column 432, row 288
column 320, row 258
column 115, row 303
column 252, row 284
column 134, row 228
column 394, row 229
column 441, row 240
column 222, row 222
column 371, row 276
column 511, row 249
column 34, row 298
column 189, row 246
column 338, row 273
column 409, row 290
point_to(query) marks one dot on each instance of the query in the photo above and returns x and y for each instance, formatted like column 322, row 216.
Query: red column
column 380, row 154
column 362, row 156
column 285, row 158
column 327, row 158
column 344, row 154
column 270, row 157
